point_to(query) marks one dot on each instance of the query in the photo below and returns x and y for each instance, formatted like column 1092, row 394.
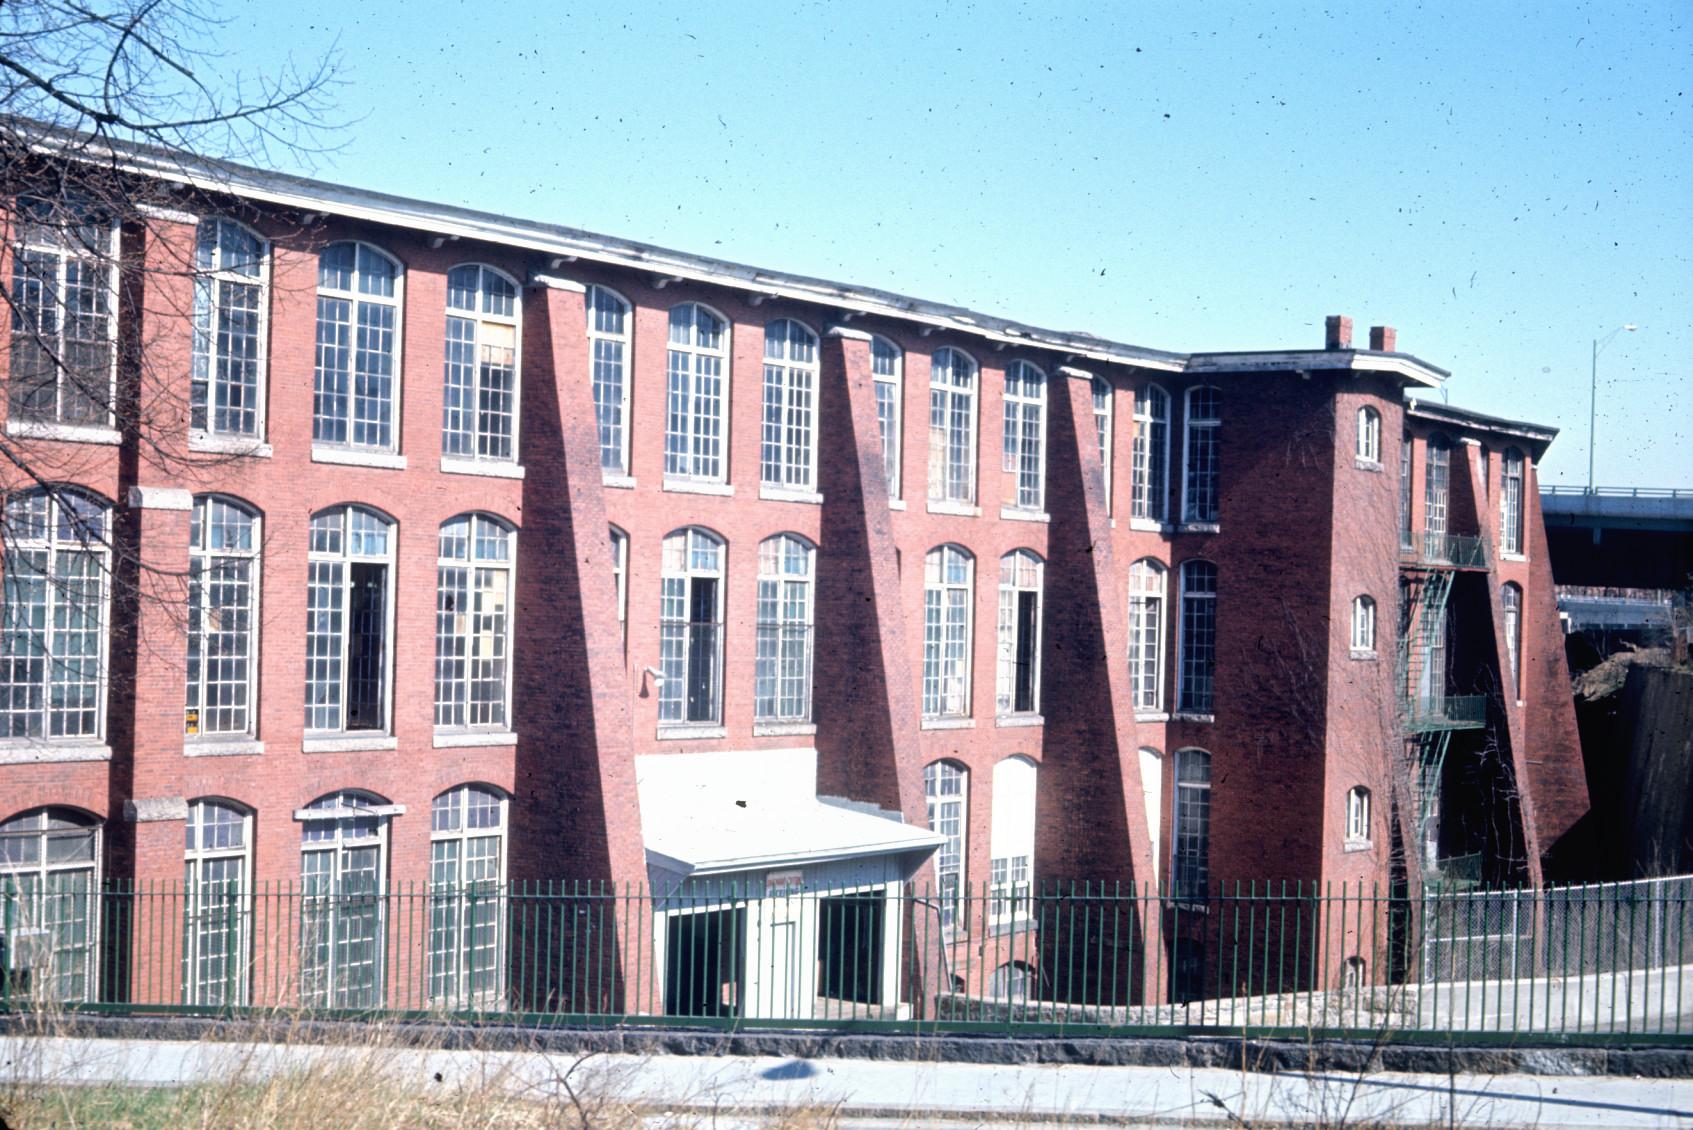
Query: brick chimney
column 1384, row 339
column 1338, row 329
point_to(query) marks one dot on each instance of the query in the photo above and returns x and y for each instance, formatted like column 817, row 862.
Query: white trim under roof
column 1477, row 421
column 1403, row 365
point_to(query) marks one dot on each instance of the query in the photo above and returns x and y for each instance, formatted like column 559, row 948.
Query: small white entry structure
column 770, row 902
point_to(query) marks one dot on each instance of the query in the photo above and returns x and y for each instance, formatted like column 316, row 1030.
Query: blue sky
column 1504, row 182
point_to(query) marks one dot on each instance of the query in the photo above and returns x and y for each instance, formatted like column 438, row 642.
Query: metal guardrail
column 1620, row 492
column 1287, row 958
column 1450, row 712
column 1458, row 551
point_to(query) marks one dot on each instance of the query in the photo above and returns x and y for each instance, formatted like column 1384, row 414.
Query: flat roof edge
column 1452, row 414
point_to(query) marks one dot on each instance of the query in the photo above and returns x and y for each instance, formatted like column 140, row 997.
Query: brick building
column 621, row 564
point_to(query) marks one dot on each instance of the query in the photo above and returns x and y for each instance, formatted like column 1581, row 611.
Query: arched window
column 1363, row 624
column 1152, row 789
column 1198, row 637
column 697, row 395
column 788, row 453
column 1406, row 539
column 691, row 628
column 887, row 368
column 63, row 304
column 467, row 832
column 1148, row 582
column 479, row 401
column 946, row 787
column 609, row 324
column 1017, row 686
column 50, row 874
column 1202, row 480
column 217, row 917
column 1358, row 815
column 620, row 575
column 1369, row 435
column 473, row 595
column 343, row 880
column 223, row 618
column 226, row 393
column 1013, row 980
column 952, row 427
column 1436, row 495
column 1151, row 455
column 948, row 584
column 1511, row 599
column 1012, row 842
column 53, row 635
column 1101, row 389
column 358, row 334
column 782, row 677
column 349, row 620
column 1511, row 503
column 1190, row 827
column 1025, row 434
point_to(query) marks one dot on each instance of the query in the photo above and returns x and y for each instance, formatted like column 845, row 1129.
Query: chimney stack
column 1384, row 339
column 1339, row 332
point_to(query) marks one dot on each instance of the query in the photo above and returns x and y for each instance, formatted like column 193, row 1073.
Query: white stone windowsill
column 206, row 443
column 1015, row 721
column 1351, row 846
column 949, row 724
column 348, row 743
column 1360, row 654
column 954, row 507
column 1151, row 716
column 696, row 732
column 354, row 457
column 1193, row 716
column 617, row 482
column 489, row 468
column 896, row 504
column 67, row 433
column 1200, row 528
column 221, row 747
column 1018, row 514
column 464, row 739
column 1363, row 464
column 33, row 751
column 783, row 729
column 1149, row 525
column 1503, row 556
column 789, row 494
column 698, row 486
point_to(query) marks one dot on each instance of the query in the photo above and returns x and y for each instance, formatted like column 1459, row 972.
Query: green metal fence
column 1563, row 963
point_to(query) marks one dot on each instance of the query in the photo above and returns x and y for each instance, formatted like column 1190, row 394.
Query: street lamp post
column 1599, row 343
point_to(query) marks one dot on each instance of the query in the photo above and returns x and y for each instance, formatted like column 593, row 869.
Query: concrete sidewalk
column 869, row 1092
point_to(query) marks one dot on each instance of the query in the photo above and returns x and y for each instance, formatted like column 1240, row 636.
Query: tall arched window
column 887, row 368
column 1511, row 503
column 1150, row 493
column 952, row 426
column 691, row 628
column 1406, row 538
column 1358, row 816
column 1148, row 583
column 226, row 392
column 1437, row 481
column 1012, row 841
column 1511, row 599
column 53, row 635
column 343, row 879
column 1190, row 827
column 1025, row 434
column 609, row 324
column 1101, row 389
column 479, row 401
column 223, row 599
column 1369, row 435
column 697, row 395
column 473, row 596
column 948, row 584
column 64, row 326
column 620, row 575
column 50, row 873
column 349, row 620
column 788, row 453
column 782, row 677
column 467, row 832
column 1017, row 685
column 946, row 787
column 217, row 915
column 1202, row 479
column 1363, row 624
column 358, row 332
column 1196, row 673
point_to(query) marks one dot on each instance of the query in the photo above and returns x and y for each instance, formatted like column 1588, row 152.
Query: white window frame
column 345, row 810
column 1512, row 497
column 347, row 558
column 1358, row 815
column 787, row 450
column 620, row 577
column 32, row 908
column 780, row 592
column 486, row 324
column 1025, row 428
column 464, row 897
column 1511, row 605
column 955, row 382
column 949, row 676
column 357, row 297
column 946, row 794
column 1149, row 455
column 1437, row 491
column 1184, row 678
column 1192, row 425
column 1020, row 571
column 1104, row 404
column 1149, row 599
column 602, row 304
column 209, row 281
column 684, row 464
column 236, row 912
column 1186, row 864
column 1364, row 624
column 677, row 668
column 887, row 369
column 1407, row 536
column 1369, row 435
column 1011, row 840
column 204, row 561
column 476, row 522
